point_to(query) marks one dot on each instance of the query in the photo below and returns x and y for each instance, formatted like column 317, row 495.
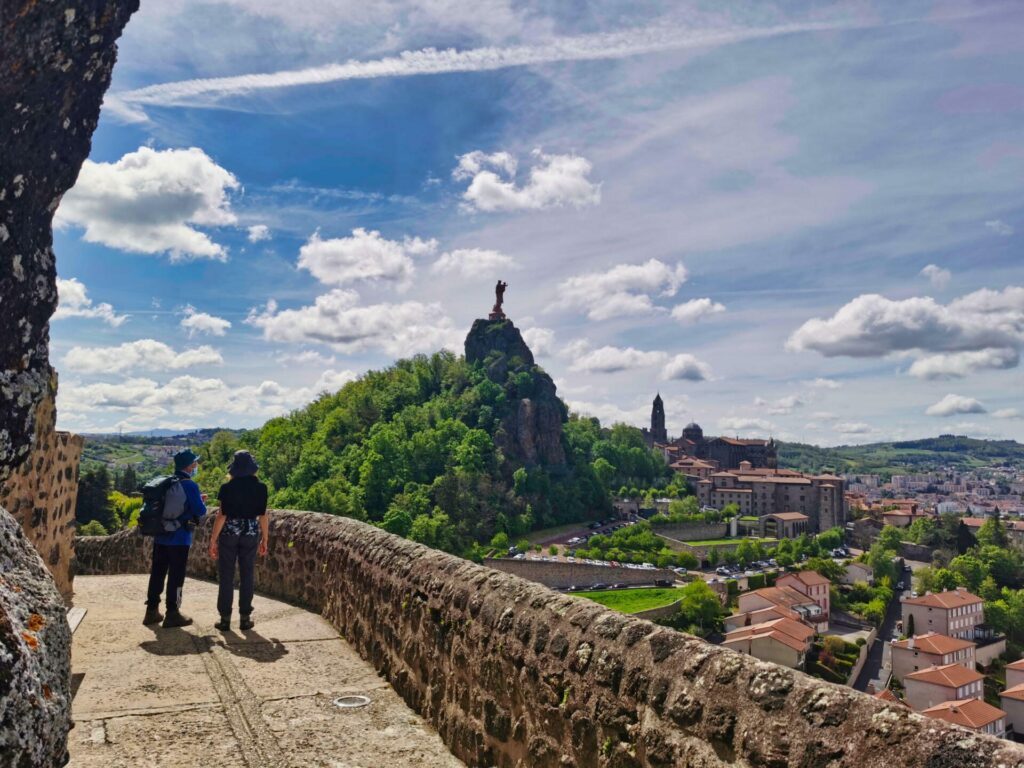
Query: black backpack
column 163, row 506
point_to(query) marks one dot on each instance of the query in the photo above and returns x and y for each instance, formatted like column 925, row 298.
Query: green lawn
column 721, row 542
column 633, row 600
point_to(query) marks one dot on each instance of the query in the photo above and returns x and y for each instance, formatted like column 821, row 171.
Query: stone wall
column 920, row 552
column 692, row 531
column 513, row 674
column 41, row 495
column 559, row 575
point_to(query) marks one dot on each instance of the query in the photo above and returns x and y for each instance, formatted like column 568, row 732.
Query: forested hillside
column 909, row 456
column 446, row 450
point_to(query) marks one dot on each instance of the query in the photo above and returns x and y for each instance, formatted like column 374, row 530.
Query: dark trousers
column 235, row 548
column 168, row 562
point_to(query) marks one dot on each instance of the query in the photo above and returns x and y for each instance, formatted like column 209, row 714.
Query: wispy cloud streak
column 430, row 61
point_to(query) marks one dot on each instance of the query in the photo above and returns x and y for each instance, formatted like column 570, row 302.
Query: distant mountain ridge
column 906, row 456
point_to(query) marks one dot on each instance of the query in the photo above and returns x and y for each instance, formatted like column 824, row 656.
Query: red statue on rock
column 499, row 297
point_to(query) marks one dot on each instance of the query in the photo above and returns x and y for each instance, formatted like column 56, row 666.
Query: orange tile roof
column 969, row 713
column 783, row 596
column 933, row 642
column 948, row 675
column 810, row 578
column 786, row 631
column 797, row 516
column 887, row 695
column 1016, row 693
column 953, row 598
column 1019, row 664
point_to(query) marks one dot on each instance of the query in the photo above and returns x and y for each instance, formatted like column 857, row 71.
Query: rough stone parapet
column 513, row 674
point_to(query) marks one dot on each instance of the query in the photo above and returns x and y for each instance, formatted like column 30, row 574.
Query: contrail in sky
column 430, row 61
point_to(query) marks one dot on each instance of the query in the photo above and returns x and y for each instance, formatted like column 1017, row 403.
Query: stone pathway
column 148, row 697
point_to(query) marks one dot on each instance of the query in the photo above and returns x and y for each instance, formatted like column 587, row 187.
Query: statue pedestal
column 496, row 313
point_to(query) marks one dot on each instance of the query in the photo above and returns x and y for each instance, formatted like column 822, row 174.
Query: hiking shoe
column 176, row 619
column 245, row 623
column 153, row 616
column 224, row 625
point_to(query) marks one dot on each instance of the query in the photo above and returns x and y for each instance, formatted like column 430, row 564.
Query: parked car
column 600, row 586
column 618, row 586
column 662, row 583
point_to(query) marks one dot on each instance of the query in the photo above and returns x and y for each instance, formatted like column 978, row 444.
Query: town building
column 759, row 492
column 973, row 714
column 887, row 695
column 1012, row 702
column 725, row 452
column 934, row 685
column 785, row 525
column 1015, row 674
column 857, row 572
column 781, row 598
column 811, row 584
column 930, row 650
column 781, row 641
column 955, row 613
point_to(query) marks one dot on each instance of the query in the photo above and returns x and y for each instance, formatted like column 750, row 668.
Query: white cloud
column 147, row 354
column 151, row 201
column 983, row 329
column 554, row 181
column 852, row 428
column 610, row 359
column 1008, row 413
column 472, row 262
column 307, row 357
column 685, row 367
column 999, row 227
column 623, row 290
column 428, row 61
column 541, row 341
column 190, row 400
column 695, row 310
column 739, row 424
column 781, row 406
column 259, row 233
column 336, row 319
column 201, row 322
column 938, row 276
column 73, row 301
column 363, row 256
column 956, row 365
column 821, row 383
column 951, row 405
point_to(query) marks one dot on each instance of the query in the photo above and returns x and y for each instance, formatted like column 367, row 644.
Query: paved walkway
column 147, row 696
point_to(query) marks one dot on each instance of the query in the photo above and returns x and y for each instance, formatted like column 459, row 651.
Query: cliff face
column 531, row 433
column 56, row 58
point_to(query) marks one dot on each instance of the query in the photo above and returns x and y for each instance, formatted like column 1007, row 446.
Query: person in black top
column 242, row 529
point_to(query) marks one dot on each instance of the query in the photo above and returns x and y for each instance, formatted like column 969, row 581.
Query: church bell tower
column 658, row 431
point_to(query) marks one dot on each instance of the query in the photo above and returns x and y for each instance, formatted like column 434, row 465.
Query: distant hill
column 905, row 457
column 146, row 452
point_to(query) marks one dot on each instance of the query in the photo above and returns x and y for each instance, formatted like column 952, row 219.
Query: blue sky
column 798, row 219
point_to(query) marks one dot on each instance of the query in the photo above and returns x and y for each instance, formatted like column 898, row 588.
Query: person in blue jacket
column 170, row 550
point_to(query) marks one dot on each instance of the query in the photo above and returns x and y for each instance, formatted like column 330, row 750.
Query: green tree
column 827, row 567
column 890, row 538
column 969, row 571
column 993, row 533
column 92, row 528
column 93, row 503
column 699, row 606
column 831, row 539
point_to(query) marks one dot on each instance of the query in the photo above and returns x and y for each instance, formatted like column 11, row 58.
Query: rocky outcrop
column 35, row 656
column 517, row 676
column 40, row 494
column 55, row 65
column 56, row 58
column 531, row 431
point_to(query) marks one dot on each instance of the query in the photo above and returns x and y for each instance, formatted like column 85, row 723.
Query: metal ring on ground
column 351, row 702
